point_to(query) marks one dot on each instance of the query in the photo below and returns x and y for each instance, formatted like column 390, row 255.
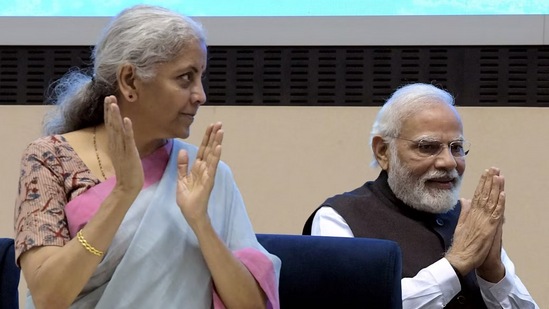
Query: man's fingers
column 484, row 193
column 480, row 187
column 495, row 190
column 487, row 189
column 499, row 210
column 502, row 183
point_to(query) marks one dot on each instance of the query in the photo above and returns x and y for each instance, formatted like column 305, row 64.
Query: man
column 451, row 250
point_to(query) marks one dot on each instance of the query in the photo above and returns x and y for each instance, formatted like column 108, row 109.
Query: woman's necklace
column 97, row 153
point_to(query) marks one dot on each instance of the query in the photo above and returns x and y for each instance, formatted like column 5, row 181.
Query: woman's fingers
column 212, row 137
column 119, row 129
column 128, row 133
column 182, row 164
column 122, row 151
column 205, row 141
column 215, row 138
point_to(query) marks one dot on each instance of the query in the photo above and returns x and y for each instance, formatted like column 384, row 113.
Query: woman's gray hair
column 143, row 36
column 404, row 103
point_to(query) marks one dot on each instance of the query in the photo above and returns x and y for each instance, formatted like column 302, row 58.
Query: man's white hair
column 404, row 103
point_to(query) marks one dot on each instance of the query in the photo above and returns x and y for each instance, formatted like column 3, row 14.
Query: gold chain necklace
column 97, row 153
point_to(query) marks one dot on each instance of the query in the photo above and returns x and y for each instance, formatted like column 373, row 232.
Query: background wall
column 289, row 160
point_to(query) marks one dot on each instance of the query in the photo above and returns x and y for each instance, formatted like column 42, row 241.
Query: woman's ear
column 126, row 82
column 381, row 151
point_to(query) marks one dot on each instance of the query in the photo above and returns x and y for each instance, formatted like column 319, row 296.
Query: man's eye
column 428, row 147
column 186, row 77
column 457, row 147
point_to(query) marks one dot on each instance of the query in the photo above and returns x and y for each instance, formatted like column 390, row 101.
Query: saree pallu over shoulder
column 155, row 261
column 81, row 209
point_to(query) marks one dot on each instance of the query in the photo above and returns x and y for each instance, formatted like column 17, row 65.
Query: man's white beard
column 413, row 192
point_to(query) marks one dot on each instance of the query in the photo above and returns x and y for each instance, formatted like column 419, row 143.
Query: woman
column 113, row 211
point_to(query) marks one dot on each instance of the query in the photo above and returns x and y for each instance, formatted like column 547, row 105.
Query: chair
column 336, row 272
column 9, row 275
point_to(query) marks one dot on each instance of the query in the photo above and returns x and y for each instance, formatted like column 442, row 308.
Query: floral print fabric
column 52, row 174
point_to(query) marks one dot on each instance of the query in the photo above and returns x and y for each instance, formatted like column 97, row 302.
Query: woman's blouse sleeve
column 39, row 207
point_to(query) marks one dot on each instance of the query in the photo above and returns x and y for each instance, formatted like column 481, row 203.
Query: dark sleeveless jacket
column 373, row 211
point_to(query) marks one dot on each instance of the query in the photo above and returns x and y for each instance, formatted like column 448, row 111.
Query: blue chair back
column 336, row 272
column 9, row 275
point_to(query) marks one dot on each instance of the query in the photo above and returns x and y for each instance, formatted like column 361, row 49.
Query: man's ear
column 127, row 82
column 381, row 151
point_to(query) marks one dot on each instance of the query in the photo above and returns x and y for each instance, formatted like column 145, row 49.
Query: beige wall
column 287, row 160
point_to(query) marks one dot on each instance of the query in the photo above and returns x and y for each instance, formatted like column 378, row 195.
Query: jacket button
column 462, row 299
column 439, row 222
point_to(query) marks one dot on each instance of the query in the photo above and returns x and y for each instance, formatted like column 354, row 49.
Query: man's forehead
column 437, row 120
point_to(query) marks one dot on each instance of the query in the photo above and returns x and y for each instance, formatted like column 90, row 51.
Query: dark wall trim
column 318, row 75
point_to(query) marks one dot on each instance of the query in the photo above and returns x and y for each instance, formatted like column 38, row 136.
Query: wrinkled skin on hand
column 477, row 238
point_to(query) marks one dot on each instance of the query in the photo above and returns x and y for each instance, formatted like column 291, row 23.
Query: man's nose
column 445, row 159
